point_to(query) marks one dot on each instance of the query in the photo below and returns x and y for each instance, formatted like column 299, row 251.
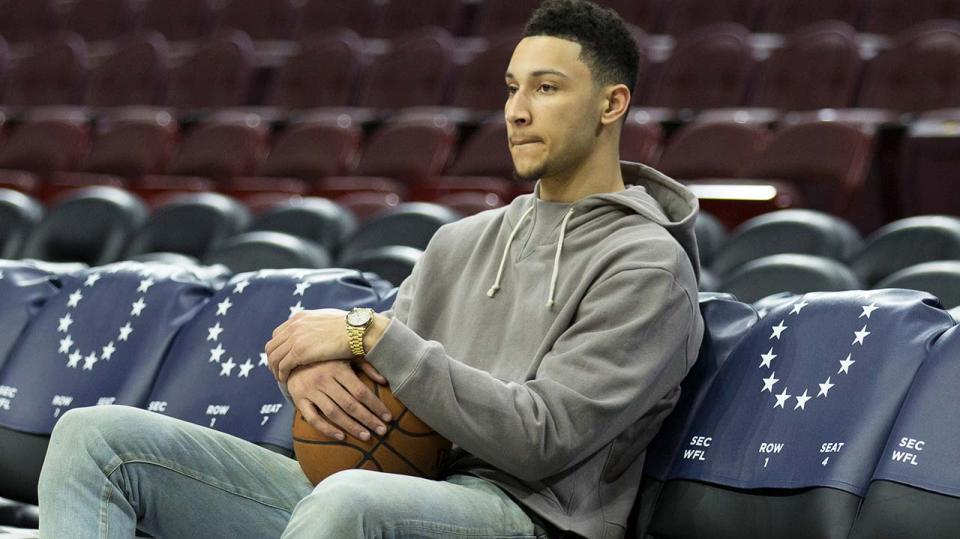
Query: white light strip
column 718, row 191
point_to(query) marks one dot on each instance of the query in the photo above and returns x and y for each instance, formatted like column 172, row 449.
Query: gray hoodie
column 548, row 341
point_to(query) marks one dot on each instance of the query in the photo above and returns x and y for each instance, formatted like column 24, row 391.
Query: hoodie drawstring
column 556, row 260
column 506, row 250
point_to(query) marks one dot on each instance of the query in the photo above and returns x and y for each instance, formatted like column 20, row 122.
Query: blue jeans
column 112, row 470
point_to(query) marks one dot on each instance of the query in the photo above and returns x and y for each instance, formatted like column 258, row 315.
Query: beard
column 531, row 175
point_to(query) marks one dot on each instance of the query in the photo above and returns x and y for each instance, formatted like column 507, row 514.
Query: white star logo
column 798, row 306
column 215, row 353
column 296, row 308
column 782, row 399
column 213, row 333
column 868, row 310
column 75, row 298
column 137, row 307
column 65, row 324
column 225, row 368
column 65, row 344
column 768, row 383
column 825, row 387
column 860, row 335
column 245, row 369
column 92, row 279
column 145, row 285
column 301, row 288
column 108, row 351
column 845, row 365
column 89, row 361
column 263, row 359
column 767, row 358
column 777, row 330
column 802, row 400
column 223, row 307
column 125, row 332
column 75, row 358
column 238, row 289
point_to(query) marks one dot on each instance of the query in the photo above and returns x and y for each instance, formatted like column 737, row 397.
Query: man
column 547, row 340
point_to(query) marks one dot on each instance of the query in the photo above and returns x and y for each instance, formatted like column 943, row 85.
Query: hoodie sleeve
column 625, row 353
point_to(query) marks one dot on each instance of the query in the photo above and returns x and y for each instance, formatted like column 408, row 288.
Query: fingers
column 316, row 420
column 340, row 408
column 276, row 356
column 372, row 372
column 362, row 393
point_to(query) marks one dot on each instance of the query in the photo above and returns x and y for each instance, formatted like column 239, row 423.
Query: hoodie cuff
column 398, row 354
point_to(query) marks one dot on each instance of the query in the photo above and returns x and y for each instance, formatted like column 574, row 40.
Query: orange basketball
column 409, row 447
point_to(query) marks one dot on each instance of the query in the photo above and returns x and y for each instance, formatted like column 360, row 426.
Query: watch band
column 355, row 333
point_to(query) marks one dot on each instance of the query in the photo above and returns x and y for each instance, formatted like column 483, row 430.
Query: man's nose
column 516, row 110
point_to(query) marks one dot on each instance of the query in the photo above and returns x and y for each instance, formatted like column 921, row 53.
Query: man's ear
column 616, row 103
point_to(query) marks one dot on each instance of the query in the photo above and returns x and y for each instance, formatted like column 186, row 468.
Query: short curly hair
column 608, row 47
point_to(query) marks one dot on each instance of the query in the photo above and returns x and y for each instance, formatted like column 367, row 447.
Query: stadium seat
column 411, row 224
column 905, row 243
column 191, row 224
column 135, row 74
column 819, row 66
column 300, row 85
column 713, row 150
column 19, row 214
column 99, row 341
column 180, row 20
column 320, row 16
column 640, row 140
column 479, row 85
column 711, row 235
column 930, row 168
column 260, row 19
column 643, row 14
column 217, row 75
column 786, row 16
column 497, row 16
column 26, row 20
column 941, row 278
column 401, row 17
column 54, row 73
column 254, row 251
column 228, row 387
column 795, row 273
column 89, row 225
column 795, row 420
column 709, row 68
column 317, row 219
column 411, row 152
column 788, row 231
column 915, row 491
column 414, row 73
column 39, row 147
column 100, row 20
column 365, row 205
column 892, row 16
column 394, row 263
column 683, row 16
column 485, row 153
column 470, row 202
column 334, row 187
column 443, row 186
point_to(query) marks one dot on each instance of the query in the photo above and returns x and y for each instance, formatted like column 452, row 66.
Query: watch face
column 358, row 318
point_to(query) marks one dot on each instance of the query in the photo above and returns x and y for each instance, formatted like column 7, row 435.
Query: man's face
column 553, row 108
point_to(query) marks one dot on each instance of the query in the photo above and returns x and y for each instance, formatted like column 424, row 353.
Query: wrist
column 375, row 332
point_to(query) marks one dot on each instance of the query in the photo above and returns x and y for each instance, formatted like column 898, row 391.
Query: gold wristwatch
column 359, row 320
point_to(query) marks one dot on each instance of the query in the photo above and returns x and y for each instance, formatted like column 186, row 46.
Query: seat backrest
column 709, row 68
column 788, row 231
column 785, row 16
column 312, row 150
column 180, row 20
column 713, row 150
column 300, row 85
column 929, row 158
column 795, row 273
column 53, row 74
column 136, row 74
column 43, row 146
column 19, row 214
column 217, row 75
column 907, row 242
column 224, row 147
column 920, row 72
column 940, row 278
column 683, row 16
column 132, row 145
column 90, row 225
column 317, row 219
column 711, row 235
column 215, row 373
column 191, row 225
column 252, row 251
column 485, row 153
column 401, row 17
column 26, row 20
column 479, row 85
column 916, row 489
column 411, row 224
column 260, row 19
column 408, row 151
column 415, row 72
column 320, row 16
column 893, row 16
column 470, row 202
column 365, row 205
column 827, row 161
column 98, row 20
column 394, row 263
column 818, row 67
column 640, row 140
column 644, row 14
column 795, row 420
column 497, row 16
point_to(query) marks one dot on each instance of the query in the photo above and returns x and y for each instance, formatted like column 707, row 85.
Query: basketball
column 409, row 447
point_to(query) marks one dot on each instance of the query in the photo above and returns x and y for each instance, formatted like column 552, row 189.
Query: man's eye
column 548, row 88
column 511, row 90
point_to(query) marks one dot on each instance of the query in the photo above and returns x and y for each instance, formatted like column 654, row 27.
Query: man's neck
column 600, row 174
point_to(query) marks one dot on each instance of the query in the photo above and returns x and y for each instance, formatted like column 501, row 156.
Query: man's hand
column 334, row 389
